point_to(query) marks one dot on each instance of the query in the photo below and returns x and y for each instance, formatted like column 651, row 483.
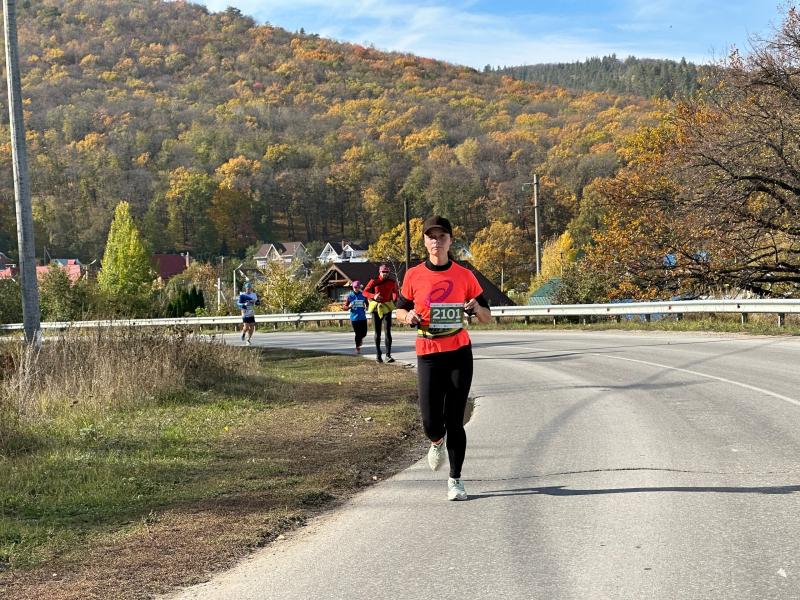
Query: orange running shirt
column 455, row 285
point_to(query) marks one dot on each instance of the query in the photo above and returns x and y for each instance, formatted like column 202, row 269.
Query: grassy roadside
column 127, row 499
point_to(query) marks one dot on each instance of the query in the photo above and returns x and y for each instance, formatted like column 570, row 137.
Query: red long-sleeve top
column 387, row 288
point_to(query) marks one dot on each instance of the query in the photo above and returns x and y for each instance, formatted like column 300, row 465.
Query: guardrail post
column 745, row 318
column 679, row 317
column 527, row 320
column 618, row 318
column 647, row 317
column 781, row 319
column 555, row 321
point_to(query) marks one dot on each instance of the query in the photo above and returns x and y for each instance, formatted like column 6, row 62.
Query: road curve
column 599, row 465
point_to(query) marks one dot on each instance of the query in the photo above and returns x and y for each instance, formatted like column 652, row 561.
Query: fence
column 780, row 308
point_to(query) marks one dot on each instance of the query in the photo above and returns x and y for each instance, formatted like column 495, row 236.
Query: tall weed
column 85, row 373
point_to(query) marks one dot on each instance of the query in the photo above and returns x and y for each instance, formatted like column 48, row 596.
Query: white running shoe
column 455, row 489
column 436, row 455
column 248, row 342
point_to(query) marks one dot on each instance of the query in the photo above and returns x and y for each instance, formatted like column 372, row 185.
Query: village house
column 287, row 252
column 344, row 251
column 169, row 265
column 72, row 266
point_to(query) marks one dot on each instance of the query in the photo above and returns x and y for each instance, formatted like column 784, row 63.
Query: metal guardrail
column 652, row 308
column 619, row 310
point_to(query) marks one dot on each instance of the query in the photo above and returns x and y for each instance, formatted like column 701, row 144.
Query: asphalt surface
column 599, row 465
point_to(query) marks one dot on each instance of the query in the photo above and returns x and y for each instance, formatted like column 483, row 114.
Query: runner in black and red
column 434, row 297
column 382, row 294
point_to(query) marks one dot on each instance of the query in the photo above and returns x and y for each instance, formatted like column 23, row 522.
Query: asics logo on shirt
column 440, row 292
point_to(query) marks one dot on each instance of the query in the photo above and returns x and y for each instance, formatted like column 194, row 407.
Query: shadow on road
column 560, row 490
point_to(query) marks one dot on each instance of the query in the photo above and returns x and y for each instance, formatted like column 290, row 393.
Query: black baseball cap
column 437, row 221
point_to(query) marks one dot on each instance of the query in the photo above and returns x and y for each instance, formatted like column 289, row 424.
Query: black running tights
column 443, row 382
column 360, row 329
column 386, row 321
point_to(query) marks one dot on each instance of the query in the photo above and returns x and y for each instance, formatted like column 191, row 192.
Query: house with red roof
column 72, row 266
column 169, row 265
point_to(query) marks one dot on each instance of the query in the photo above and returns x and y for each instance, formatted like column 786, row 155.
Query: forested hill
column 221, row 132
column 651, row 78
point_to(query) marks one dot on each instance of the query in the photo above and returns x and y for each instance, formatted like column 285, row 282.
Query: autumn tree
column 557, row 254
column 501, row 252
column 286, row 288
column 739, row 157
column 188, row 200
column 391, row 246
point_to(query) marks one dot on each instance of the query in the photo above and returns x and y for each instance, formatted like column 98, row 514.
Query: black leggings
column 360, row 329
column 443, row 381
column 387, row 324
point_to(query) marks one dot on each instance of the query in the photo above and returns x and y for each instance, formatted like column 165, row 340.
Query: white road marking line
column 670, row 368
column 706, row 375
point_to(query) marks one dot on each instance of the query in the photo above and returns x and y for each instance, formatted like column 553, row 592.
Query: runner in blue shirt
column 357, row 304
column 247, row 302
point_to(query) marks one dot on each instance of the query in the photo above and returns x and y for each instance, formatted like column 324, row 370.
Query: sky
column 516, row 32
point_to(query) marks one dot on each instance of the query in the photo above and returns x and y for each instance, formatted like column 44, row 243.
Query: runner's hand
column 412, row 318
column 470, row 306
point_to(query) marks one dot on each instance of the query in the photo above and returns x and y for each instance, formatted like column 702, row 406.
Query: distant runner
column 247, row 301
column 434, row 297
column 382, row 293
column 357, row 304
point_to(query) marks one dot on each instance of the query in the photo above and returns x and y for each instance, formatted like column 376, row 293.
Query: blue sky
column 501, row 32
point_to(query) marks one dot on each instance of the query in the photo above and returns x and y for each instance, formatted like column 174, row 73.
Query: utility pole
column 535, row 185
column 31, row 315
column 536, row 224
column 407, row 226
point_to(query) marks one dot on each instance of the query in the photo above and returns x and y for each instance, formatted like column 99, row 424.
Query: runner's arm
column 479, row 308
column 367, row 291
column 405, row 312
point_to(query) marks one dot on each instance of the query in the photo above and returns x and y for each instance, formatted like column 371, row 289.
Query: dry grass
column 108, row 369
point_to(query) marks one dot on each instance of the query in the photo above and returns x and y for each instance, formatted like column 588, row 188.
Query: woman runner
column 356, row 303
column 434, row 297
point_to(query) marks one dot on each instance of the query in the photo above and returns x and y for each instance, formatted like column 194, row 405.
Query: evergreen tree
column 198, row 300
column 127, row 274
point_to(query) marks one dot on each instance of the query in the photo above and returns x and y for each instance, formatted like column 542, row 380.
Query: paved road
column 599, row 465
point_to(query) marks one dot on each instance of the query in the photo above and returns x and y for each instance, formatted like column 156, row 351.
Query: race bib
column 357, row 304
column 446, row 315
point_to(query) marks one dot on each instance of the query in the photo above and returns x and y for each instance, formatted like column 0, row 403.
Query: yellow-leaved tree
column 502, row 253
column 391, row 246
column 557, row 254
